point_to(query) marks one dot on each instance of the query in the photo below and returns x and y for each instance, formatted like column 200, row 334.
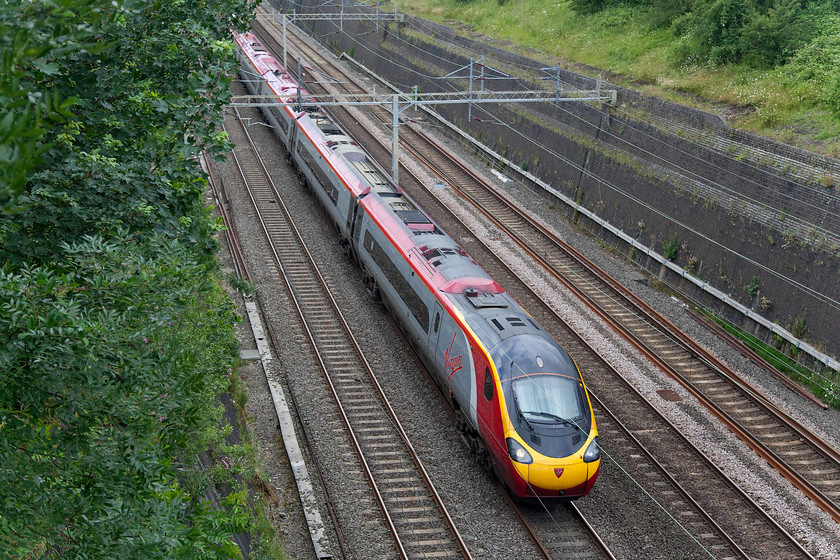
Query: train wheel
column 483, row 456
column 372, row 287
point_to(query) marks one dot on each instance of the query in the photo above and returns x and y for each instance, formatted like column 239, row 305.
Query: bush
column 664, row 12
column 115, row 339
column 770, row 37
column 814, row 71
column 670, row 247
column 757, row 32
column 753, row 287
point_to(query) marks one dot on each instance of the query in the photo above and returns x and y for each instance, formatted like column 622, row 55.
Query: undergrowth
column 796, row 103
column 824, row 384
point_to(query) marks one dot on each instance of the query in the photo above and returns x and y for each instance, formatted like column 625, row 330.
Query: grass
column 822, row 385
column 620, row 40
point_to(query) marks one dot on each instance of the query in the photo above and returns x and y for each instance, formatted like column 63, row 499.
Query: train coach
column 520, row 400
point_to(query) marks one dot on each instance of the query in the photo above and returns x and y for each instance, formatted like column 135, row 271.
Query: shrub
column 752, row 287
column 798, row 329
column 814, row 71
column 670, row 247
column 759, row 33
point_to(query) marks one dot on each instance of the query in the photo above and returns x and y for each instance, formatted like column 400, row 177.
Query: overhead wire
column 537, row 67
column 546, row 148
column 828, row 384
column 815, row 374
column 605, row 452
column 827, row 299
column 758, row 185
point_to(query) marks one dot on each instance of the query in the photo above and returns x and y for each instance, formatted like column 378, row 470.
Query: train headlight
column 593, row 452
column 518, row 453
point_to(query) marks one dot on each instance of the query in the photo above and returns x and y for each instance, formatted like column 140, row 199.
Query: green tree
column 758, row 32
column 114, row 342
column 663, row 13
column 127, row 156
column 30, row 47
column 98, row 391
column 772, row 33
column 815, row 68
column 714, row 27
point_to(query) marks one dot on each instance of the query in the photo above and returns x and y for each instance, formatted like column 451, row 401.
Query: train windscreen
column 548, row 398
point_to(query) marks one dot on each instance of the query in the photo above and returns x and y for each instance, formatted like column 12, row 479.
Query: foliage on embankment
column 115, row 339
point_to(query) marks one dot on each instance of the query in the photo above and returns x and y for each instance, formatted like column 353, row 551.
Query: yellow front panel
column 544, row 474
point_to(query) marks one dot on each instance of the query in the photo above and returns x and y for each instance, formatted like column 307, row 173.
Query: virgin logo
column 450, row 364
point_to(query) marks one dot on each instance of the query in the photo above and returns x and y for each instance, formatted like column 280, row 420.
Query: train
column 520, row 400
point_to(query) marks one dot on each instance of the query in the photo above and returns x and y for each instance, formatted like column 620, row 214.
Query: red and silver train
column 520, row 398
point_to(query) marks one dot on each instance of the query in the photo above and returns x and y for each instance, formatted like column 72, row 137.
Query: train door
column 487, row 404
column 354, row 227
column 454, row 366
column 434, row 332
column 292, row 135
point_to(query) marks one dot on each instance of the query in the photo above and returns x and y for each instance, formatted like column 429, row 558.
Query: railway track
column 563, row 533
column 530, row 235
column 557, row 532
column 809, row 463
column 720, row 509
column 718, row 497
column 407, row 500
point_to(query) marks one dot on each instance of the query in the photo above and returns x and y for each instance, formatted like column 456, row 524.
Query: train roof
column 269, row 69
column 441, row 262
column 436, row 257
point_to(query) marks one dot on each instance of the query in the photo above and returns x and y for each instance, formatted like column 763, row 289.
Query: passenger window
column 488, row 384
column 437, row 321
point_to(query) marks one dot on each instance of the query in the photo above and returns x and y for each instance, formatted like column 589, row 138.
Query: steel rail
column 734, row 486
column 290, row 286
column 752, row 356
column 342, row 541
column 584, row 524
column 592, row 531
column 232, row 236
column 235, row 248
